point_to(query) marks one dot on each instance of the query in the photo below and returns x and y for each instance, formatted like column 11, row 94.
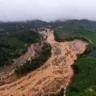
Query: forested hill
column 32, row 23
column 84, row 22
column 14, row 26
column 74, row 23
column 15, row 37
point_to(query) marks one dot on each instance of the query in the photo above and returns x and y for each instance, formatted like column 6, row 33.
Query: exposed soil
column 7, row 72
column 55, row 74
column 7, row 69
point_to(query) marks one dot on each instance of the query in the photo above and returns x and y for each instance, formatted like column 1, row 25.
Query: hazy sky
column 49, row 10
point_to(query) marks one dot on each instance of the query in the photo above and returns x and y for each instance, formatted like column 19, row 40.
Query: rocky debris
column 56, row 50
column 33, row 51
column 55, row 74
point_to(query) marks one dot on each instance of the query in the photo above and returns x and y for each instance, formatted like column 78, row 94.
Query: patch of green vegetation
column 15, row 44
column 62, row 38
column 62, row 34
column 16, row 37
column 35, row 63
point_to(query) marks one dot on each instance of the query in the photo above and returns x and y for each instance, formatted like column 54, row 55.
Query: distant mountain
column 39, row 23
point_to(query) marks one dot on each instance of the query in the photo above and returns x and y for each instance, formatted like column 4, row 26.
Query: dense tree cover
column 15, row 44
column 35, row 63
column 16, row 26
column 69, row 38
column 68, row 33
column 7, row 27
column 83, row 22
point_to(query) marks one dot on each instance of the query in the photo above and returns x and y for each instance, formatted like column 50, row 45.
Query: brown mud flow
column 4, row 72
column 55, row 74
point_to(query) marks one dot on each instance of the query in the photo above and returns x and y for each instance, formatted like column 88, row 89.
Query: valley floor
column 55, row 74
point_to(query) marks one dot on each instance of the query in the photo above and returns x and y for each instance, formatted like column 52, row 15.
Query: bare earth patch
column 55, row 74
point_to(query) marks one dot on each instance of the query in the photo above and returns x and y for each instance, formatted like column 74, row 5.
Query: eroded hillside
column 55, row 74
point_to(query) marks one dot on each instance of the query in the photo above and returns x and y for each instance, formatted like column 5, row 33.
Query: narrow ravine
column 55, row 74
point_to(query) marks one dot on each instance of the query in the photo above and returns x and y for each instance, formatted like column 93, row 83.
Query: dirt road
column 55, row 74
